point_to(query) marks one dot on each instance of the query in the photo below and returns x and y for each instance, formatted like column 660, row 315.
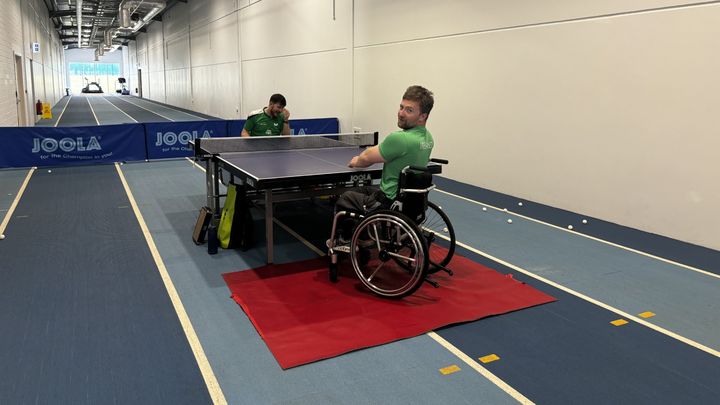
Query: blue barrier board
column 46, row 146
column 171, row 139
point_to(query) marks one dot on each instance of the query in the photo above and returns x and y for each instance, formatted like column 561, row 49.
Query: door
column 20, row 104
column 139, row 87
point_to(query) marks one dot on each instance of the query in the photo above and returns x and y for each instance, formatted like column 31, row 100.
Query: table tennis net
column 284, row 142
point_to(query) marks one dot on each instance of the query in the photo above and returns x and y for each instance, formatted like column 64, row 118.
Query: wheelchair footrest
column 342, row 248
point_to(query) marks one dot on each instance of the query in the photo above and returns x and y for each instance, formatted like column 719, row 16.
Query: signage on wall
column 36, row 47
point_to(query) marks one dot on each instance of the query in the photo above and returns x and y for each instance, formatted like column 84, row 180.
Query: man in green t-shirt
column 271, row 120
column 409, row 147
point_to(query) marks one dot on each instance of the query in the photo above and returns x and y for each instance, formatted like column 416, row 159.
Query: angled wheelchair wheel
column 437, row 226
column 389, row 254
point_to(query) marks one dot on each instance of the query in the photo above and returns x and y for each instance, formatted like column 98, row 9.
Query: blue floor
column 562, row 352
column 92, row 322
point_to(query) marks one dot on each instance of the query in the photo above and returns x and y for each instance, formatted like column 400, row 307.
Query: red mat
column 303, row 317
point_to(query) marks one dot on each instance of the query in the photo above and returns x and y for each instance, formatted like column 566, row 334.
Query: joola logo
column 360, row 177
column 171, row 138
column 49, row 145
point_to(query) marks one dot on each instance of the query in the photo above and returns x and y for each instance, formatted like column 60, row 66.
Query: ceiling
column 100, row 15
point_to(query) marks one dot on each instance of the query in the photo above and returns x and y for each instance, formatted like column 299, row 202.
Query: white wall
column 603, row 108
column 24, row 22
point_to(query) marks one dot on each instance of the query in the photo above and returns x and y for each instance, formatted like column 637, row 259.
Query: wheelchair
column 393, row 251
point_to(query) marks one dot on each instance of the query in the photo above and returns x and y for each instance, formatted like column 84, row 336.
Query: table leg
column 269, row 224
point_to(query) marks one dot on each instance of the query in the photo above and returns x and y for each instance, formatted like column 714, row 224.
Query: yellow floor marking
column 210, row 381
column 15, row 202
column 647, row 314
column 480, row 369
column 619, row 322
column 449, row 369
column 591, row 300
column 489, row 358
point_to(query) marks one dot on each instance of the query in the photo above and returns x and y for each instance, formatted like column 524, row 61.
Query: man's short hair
column 422, row 96
column 278, row 99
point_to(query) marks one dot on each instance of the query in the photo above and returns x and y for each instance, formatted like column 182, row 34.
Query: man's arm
column 248, row 127
column 286, row 124
column 368, row 157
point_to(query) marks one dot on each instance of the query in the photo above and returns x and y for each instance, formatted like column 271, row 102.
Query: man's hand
column 353, row 162
column 286, row 113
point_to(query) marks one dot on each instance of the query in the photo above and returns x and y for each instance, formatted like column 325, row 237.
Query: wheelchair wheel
column 437, row 225
column 395, row 264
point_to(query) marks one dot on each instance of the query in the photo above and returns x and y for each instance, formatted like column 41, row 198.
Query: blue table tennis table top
column 283, row 168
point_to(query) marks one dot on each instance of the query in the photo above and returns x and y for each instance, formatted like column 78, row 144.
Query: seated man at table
column 409, row 147
column 270, row 120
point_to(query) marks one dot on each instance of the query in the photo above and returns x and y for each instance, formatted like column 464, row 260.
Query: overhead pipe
column 78, row 10
column 127, row 7
column 109, row 36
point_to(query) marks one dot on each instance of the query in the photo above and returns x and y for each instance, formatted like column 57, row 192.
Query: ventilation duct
column 78, row 10
column 108, row 36
column 146, row 8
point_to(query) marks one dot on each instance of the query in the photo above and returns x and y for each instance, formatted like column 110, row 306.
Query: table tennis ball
column 509, row 221
column 49, row 171
column 505, row 209
column 2, row 237
column 484, row 208
column 520, row 203
column 570, row 227
column 584, row 221
column 445, row 230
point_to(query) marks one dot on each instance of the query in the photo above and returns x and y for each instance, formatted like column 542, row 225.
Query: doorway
column 20, row 103
column 139, row 87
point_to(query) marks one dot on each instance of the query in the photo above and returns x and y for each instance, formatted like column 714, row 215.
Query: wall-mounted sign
column 36, row 47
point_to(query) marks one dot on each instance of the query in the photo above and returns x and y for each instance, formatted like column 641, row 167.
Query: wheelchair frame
column 389, row 250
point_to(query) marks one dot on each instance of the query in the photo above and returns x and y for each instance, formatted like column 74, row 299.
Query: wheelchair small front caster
column 333, row 272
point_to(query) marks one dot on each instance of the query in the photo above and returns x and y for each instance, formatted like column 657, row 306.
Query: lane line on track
column 16, row 201
column 92, row 110
column 480, row 369
column 62, row 112
column 171, row 108
column 668, row 261
column 119, row 109
column 216, row 393
column 591, row 300
column 150, row 111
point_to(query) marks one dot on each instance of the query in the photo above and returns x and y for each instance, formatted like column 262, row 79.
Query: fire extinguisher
column 38, row 108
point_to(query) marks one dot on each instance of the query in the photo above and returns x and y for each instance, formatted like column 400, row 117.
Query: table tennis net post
column 215, row 146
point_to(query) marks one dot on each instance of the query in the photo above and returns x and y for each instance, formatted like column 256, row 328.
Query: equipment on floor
column 121, row 86
column 201, row 226
column 92, row 87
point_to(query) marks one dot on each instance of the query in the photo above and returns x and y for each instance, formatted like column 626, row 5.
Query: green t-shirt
column 260, row 123
column 410, row 147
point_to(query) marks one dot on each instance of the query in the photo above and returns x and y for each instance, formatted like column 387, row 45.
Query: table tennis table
column 283, row 168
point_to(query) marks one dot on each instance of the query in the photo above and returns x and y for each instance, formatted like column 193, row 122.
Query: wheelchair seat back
column 413, row 189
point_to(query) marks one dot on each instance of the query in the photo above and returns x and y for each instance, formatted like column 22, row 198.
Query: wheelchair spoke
column 401, row 257
column 377, row 237
column 375, row 271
